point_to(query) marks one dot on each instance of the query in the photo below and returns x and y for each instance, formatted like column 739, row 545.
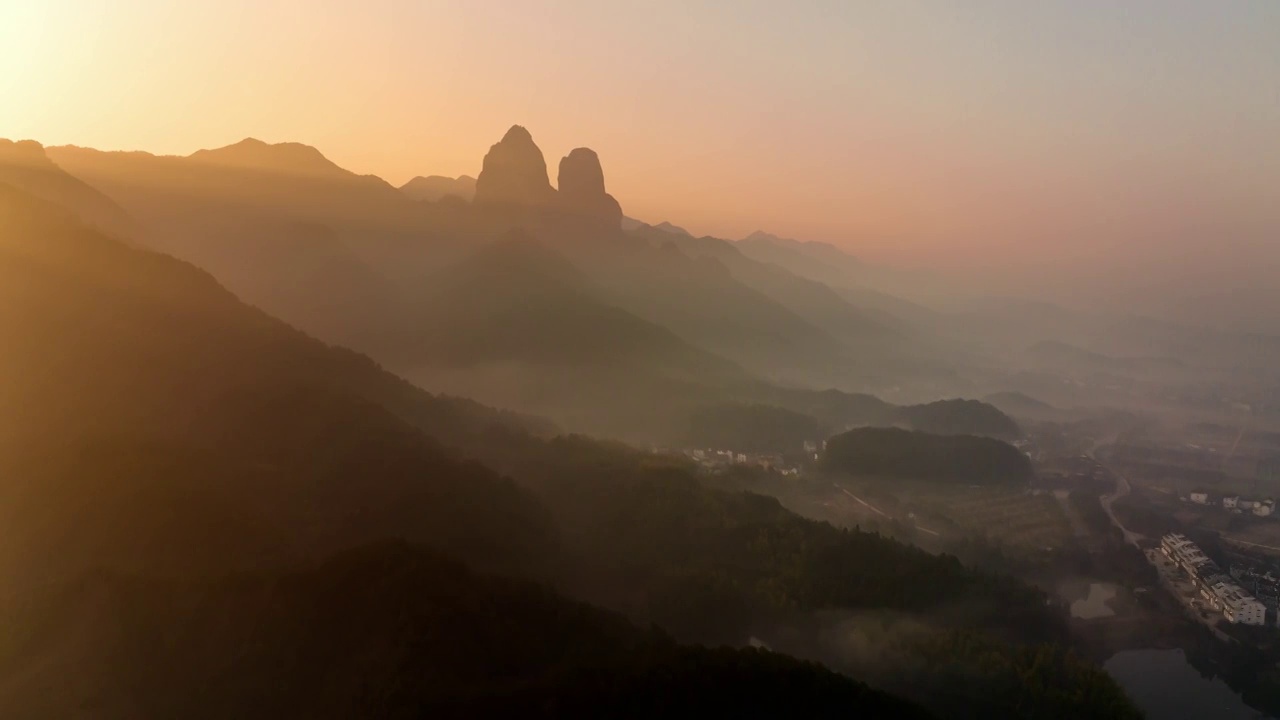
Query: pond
column 1094, row 605
column 1166, row 687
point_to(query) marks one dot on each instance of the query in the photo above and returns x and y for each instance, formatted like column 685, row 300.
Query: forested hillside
column 892, row 452
column 386, row 631
column 160, row 423
column 166, row 432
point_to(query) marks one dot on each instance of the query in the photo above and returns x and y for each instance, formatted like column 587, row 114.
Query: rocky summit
column 581, row 182
column 515, row 172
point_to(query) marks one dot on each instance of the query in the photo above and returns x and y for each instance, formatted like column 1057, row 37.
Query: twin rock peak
column 515, row 173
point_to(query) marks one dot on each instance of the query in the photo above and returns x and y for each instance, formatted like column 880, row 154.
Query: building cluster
column 1264, row 585
column 1235, row 503
column 712, row 459
column 1218, row 588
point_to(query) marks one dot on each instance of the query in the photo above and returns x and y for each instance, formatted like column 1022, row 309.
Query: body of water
column 1094, row 605
column 1166, row 687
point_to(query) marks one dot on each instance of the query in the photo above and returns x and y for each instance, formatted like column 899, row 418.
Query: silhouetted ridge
column 665, row 226
column 27, row 166
column 282, row 157
column 762, row 236
column 199, row 435
column 435, row 187
column 787, row 252
column 23, row 152
column 515, row 172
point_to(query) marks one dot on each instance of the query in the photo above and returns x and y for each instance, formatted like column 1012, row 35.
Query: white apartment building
column 1186, row 554
column 1233, row 601
column 1237, row 605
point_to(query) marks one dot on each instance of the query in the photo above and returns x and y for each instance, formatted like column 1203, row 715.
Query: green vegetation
column 384, row 632
column 960, row 669
column 790, row 417
column 961, row 417
column 894, row 453
column 169, row 433
column 753, row 428
column 160, row 423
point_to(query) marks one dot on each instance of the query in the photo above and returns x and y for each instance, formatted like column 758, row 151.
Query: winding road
column 1122, row 488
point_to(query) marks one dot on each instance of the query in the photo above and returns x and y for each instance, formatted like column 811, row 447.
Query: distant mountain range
column 358, row 262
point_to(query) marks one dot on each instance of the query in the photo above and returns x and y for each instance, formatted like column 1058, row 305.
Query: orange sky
column 917, row 133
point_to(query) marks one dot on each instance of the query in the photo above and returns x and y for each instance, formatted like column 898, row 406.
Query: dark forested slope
column 385, row 631
column 148, row 419
column 961, row 417
column 896, row 453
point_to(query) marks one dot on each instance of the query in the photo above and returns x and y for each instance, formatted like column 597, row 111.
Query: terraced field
column 1017, row 519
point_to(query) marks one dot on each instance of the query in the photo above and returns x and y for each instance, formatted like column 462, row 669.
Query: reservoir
column 1166, row 687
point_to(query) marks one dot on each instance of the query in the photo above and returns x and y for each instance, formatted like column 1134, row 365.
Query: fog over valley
column 578, row 361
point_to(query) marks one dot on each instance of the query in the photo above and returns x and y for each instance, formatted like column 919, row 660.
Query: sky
column 926, row 134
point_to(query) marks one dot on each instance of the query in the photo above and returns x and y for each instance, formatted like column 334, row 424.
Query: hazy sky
column 919, row 132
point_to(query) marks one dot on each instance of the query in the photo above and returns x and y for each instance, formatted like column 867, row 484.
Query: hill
column 807, row 298
column 279, row 225
column 714, row 566
column 1021, row 405
column 809, row 259
column 516, row 300
column 161, row 424
column 385, row 631
column 250, row 180
column 25, row 165
column 752, row 428
column 434, row 188
column 891, row 295
column 895, row 453
column 344, row 256
column 780, row 420
column 696, row 298
column 517, row 325
column 961, row 417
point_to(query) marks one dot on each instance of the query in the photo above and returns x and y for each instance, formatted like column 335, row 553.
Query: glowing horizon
column 925, row 134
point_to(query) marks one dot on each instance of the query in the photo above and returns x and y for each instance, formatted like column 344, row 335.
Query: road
column 1122, row 489
column 880, row 512
column 1232, row 540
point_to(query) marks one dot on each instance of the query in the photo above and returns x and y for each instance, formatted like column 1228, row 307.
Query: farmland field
column 1016, row 518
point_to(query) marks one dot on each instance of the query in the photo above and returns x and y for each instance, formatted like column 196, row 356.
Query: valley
column 280, row 437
